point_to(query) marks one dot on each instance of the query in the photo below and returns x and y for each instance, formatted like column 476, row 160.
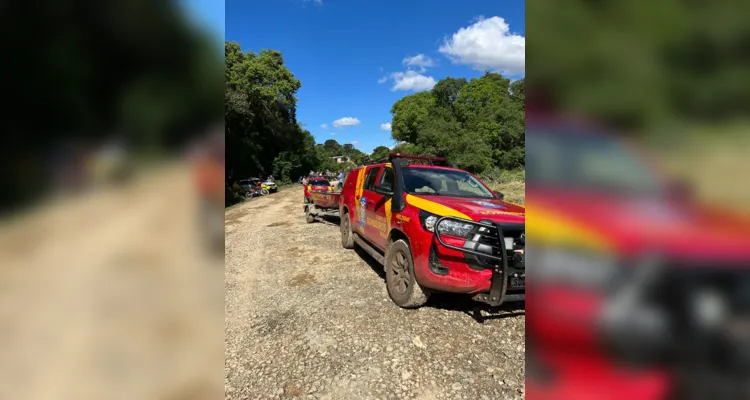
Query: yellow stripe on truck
column 360, row 181
column 434, row 208
column 549, row 228
column 359, row 189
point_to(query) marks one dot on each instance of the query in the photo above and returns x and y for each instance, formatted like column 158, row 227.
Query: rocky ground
column 306, row 318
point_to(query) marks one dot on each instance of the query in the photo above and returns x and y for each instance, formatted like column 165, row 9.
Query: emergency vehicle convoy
column 434, row 228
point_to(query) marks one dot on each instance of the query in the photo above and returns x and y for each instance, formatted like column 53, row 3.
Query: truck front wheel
column 400, row 281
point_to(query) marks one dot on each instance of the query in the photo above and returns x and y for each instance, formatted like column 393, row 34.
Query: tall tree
column 478, row 124
column 333, row 147
column 379, row 153
column 262, row 133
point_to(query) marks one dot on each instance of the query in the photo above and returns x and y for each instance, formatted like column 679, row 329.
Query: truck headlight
column 448, row 227
column 576, row 268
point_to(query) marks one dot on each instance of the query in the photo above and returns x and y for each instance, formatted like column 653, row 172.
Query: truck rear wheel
column 400, row 280
column 347, row 238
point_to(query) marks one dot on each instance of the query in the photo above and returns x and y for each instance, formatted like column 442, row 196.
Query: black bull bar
column 496, row 255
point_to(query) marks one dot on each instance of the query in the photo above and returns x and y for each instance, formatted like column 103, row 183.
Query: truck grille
column 706, row 310
column 487, row 240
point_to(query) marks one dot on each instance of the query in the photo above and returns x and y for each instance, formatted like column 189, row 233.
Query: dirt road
column 306, row 318
column 110, row 295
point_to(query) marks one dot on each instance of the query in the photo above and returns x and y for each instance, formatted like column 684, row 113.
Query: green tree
column 446, row 91
column 379, row 153
column 332, row 147
column 407, row 148
column 263, row 135
column 477, row 124
column 410, row 114
column 632, row 65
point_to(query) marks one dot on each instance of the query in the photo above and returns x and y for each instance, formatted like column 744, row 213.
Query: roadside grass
column 714, row 161
column 511, row 183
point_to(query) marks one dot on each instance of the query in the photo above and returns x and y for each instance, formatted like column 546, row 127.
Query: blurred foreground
column 111, row 285
column 638, row 202
column 639, row 291
column 113, row 294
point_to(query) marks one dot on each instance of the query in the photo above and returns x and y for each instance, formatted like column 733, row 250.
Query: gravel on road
column 306, row 318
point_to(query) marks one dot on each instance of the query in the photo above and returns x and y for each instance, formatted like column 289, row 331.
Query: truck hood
column 632, row 224
column 478, row 209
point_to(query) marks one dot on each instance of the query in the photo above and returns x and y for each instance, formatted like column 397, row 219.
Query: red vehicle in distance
column 317, row 183
column 434, row 228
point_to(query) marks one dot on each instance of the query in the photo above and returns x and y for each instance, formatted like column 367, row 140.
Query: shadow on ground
column 328, row 220
column 456, row 302
column 475, row 309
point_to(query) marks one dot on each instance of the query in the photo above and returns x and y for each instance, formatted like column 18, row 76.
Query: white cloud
column 383, row 79
column 385, row 126
column 324, row 126
column 346, row 121
column 411, row 80
column 333, row 133
column 488, row 44
column 420, row 60
column 354, row 143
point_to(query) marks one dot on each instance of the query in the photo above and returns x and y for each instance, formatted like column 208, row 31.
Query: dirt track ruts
column 306, row 318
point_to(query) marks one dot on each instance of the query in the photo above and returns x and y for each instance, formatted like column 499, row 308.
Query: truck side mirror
column 499, row 194
column 383, row 188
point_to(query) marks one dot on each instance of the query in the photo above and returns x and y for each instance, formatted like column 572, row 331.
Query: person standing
column 341, row 180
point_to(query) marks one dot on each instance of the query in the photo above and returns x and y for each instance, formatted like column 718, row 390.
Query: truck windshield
column 444, row 182
column 587, row 161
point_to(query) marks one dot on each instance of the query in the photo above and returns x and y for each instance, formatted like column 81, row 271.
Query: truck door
column 381, row 209
column 365, row 203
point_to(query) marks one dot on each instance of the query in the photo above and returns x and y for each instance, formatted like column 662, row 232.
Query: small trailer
column 324, row 204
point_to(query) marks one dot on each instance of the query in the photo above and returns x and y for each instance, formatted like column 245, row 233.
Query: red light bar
column 417, row 157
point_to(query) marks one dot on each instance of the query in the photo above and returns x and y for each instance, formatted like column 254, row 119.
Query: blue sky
column 355, row 58
column 210, row 15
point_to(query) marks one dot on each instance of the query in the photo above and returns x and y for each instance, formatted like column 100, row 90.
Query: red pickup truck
column 637, row 290
column 434, row 228
column 316, row 183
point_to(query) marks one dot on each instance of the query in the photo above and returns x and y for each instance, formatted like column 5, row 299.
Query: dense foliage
column 263, row 136
column 477, row 124
column 138, row 68
column 135, row 69
column 638, row 66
